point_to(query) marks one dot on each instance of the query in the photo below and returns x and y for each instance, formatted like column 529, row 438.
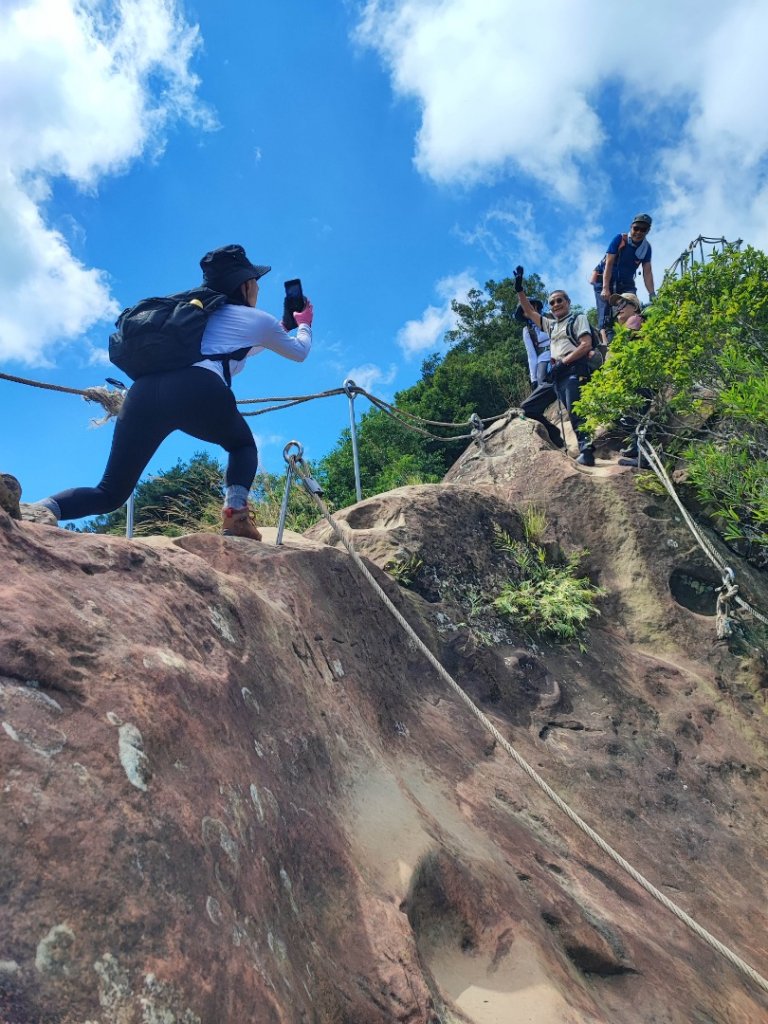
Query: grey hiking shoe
column 37, row 513
column 239, row 522
column 587, row 457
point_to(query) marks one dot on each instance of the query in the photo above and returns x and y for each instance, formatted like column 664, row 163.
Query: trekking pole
column 562, row 421
column 351, row 390
column 130, row 505
column 286, row 493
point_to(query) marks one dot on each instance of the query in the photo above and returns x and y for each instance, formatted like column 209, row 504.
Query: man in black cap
column 196, row 399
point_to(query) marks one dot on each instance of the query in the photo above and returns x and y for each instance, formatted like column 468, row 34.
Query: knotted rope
column 110, row 400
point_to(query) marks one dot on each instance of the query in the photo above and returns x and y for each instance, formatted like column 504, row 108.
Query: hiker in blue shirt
column 625, row 254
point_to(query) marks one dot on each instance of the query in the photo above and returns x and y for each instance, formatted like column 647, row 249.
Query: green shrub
column 702, row 356
column 548, row 600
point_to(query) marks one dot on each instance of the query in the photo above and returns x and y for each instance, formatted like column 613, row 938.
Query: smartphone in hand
column 294, row 302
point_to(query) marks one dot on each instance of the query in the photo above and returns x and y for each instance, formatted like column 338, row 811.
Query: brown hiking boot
column 240, row 522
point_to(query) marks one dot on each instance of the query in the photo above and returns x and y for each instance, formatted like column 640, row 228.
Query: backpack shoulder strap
column 570, row 329
column 533, row 334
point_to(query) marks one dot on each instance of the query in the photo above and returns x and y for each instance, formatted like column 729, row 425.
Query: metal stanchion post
column 351, row 388
column 129, row 511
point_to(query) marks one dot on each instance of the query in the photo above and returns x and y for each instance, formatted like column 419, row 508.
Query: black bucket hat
column 225, row 269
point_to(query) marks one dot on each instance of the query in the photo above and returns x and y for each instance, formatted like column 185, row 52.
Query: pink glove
column 306, row 314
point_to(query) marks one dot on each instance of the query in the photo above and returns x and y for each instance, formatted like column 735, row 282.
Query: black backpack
column 164, row 333
column 596, row 357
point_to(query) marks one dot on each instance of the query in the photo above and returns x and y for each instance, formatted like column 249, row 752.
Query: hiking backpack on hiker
column 165, row 333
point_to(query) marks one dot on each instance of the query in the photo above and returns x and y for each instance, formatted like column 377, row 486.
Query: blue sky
column 391, row 153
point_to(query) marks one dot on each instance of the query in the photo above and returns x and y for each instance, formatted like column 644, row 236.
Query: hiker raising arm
column 531, row 313
column 570, row 344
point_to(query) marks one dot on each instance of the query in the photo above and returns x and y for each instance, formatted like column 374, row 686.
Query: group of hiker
column 224, row 328
column 561, row 345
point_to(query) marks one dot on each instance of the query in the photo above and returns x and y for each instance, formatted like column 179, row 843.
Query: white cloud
column 493, row 89
column 76, row 102
column 369, row 376
column 508, row 233
column 426, row 333
column 506, row 88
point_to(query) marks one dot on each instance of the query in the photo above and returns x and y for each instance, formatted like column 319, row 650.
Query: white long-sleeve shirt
column 535, row 357
column 231, row 327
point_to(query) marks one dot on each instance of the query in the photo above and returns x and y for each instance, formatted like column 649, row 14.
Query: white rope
column 652, row 458
column 737, row 962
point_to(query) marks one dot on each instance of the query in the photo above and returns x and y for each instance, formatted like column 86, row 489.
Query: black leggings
column 194, row 400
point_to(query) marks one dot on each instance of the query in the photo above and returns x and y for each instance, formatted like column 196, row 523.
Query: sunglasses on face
column 557, row 302
column 642, row 228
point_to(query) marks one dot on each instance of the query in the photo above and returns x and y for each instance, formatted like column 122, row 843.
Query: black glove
column 519, row 278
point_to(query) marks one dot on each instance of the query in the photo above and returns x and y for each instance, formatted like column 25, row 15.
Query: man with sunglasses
column 570, row 344
column 625, row 254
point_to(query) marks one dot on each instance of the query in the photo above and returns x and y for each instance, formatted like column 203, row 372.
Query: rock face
column 235, row 791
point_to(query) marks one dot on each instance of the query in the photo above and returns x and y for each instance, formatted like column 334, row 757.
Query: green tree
column 390, row 456
column 171, row 501
column 188, row 499
column 484, row 371
column 702, row 356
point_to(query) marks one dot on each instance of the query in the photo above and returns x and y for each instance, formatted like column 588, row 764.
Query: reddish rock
column 234, row 791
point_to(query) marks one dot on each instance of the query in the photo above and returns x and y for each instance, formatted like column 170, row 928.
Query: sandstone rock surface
column 234, row 791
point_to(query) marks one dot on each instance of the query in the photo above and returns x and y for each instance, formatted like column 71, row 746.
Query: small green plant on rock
column 404, row 570
column 534, row 524
column 549, row 599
